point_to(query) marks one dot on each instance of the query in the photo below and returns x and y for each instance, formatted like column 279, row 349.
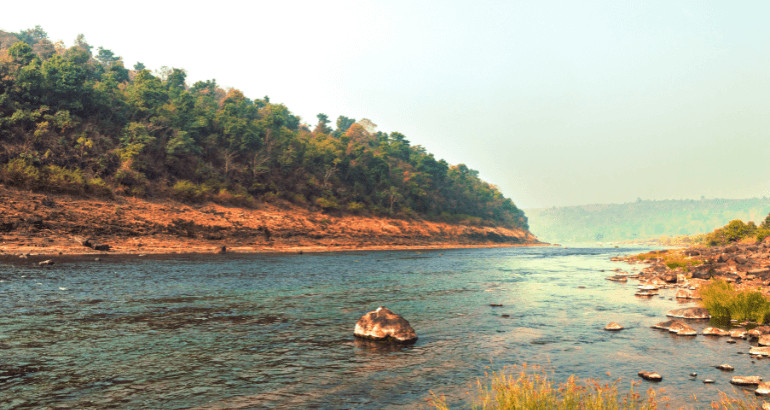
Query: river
column 275, row 331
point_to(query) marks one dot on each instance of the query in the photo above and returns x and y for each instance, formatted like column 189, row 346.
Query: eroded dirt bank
column 46, row 224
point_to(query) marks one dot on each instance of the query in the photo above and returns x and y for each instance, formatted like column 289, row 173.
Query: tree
column 139, row 66
column 106, row 57
column 343, row 123
column 323, row 124
column 32, row 36
column 81, row 43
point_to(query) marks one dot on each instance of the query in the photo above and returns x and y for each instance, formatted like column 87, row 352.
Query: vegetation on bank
column 725, row 303
column 736, row 231
column 76, row 120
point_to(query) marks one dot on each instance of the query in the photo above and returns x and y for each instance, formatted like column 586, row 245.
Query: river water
column 275, row 331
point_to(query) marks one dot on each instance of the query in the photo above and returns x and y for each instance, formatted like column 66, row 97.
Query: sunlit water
column 275, row 331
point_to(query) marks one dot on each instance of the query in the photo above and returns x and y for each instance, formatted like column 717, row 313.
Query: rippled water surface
column 275, row 331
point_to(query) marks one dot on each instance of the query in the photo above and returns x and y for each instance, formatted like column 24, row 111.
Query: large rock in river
column 746, row 380
column 383, row 324
column 690, row 313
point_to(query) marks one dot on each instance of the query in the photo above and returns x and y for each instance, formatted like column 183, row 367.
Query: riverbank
column 35, row 223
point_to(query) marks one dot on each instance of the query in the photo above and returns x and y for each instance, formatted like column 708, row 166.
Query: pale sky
column 556, row 102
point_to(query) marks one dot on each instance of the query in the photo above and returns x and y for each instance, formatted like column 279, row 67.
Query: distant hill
column 642, row 219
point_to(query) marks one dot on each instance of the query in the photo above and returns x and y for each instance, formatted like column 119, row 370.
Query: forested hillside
column 642, row 219
column 76, row 120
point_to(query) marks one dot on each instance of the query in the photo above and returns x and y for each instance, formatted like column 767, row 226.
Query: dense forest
column 77, row 120
column 642, row 219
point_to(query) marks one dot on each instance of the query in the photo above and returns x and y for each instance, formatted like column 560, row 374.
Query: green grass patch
column 672, row 260
column 725, row 303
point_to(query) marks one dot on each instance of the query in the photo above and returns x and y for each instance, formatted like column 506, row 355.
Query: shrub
column 725, row 303
column 734, row 231
column 130, row 178
column 21, row 172
column 356, row 207
column 187, row 191
column 65, row 180
column 327, row 203
column 98, row 187
column 762, row 233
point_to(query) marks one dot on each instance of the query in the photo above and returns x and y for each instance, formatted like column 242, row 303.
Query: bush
column 64, row 180
column 98, row 187
column 187, row 191
column 130, row 178
column 732, row 232
column 327, row 203
column 356, row 207
column 762, row 233
column 725, row 303
column 22, row 173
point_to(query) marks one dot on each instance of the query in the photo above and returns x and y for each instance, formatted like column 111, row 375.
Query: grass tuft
column 725, row 303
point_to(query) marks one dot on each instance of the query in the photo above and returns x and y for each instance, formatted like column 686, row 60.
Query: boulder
column 701, row 274
column 383, row 324
column 760, row 351
column 222, row 250
column 680, row 278
column 643, row 293
column 730, row 249
column 725, row 368
column 46, row 263
column 683, row 294
column 763, row 389
column 648, row 287
column 691, row 252
column 715, row 331
column 651, row 376
column 764, row 340
column 746, row 380
column 618, row 278
column 738, row 333
column 690, row 313
column 668, row 277
column 740, row 259
column 664, row 325
column 682, row 329
column 613, row 327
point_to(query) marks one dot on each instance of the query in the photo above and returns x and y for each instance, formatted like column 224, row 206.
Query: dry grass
column 532, row 389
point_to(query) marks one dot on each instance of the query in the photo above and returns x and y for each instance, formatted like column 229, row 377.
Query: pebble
column 693, row 374
column 708, row 381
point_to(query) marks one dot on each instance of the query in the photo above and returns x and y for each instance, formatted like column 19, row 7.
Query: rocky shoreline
column 746, row 266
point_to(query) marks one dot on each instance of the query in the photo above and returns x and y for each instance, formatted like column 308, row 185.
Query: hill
column 74, row 120
column 642, row 219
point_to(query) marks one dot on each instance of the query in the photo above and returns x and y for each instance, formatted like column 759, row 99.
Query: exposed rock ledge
column 40, row 223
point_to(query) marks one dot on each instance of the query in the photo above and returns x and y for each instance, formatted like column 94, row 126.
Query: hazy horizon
column 558, row 103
